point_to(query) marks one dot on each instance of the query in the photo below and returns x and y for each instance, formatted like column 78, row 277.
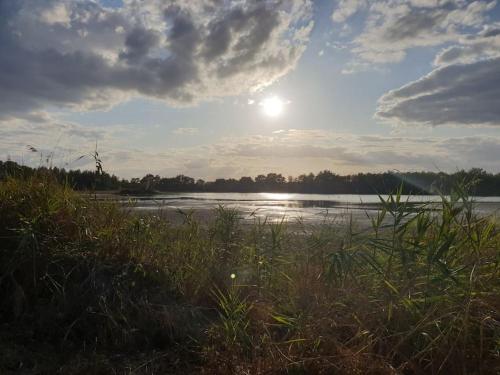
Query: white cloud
column 60, row 143
column 57, row 13
column 302, row 151
column 290, row 152
column 354, row 67
column 186, row 131
column 472, row 48
column 346, row 8
column 392, row 27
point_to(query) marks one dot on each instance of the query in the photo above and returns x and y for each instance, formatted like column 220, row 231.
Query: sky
column 220, row 88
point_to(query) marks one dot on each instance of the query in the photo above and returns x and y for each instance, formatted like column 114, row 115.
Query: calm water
column 307, row 207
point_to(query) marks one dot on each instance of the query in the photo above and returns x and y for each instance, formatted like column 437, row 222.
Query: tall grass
column 88, row 287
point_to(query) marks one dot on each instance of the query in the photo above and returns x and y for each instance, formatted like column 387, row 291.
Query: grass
column 87, row 287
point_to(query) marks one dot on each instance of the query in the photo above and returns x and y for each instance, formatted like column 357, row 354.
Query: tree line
column 325, row 182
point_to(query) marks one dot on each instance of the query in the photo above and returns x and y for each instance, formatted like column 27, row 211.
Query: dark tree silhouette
column 325, row 182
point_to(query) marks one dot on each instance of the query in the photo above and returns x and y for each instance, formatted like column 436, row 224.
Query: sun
column 272, row 106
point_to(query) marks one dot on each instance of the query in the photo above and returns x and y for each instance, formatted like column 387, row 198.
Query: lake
column 310, row 208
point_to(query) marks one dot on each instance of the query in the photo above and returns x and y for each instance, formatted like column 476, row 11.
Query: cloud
column 186, row 131
column 462, row 90
column 302, row 151
column 472, row 48
column 290, row 152
column 455, row 94
column 61, row 143
column 346, row 8
column 392, row 27
column 138, row 44
column 83, row 55
column 354, row 67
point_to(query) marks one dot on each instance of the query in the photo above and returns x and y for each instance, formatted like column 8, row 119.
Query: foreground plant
column 87, row 287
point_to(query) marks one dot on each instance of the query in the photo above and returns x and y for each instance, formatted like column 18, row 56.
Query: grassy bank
column 86, row 287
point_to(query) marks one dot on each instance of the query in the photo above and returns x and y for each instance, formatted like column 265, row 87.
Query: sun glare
column 272, row 106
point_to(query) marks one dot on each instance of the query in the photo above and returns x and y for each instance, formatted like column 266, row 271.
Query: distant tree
column 482, row 182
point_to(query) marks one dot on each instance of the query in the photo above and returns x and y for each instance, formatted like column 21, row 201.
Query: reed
column 89, row 287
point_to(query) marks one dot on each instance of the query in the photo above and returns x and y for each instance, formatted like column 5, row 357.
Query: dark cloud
column 29, row 79
column 455, row 94
column 218, row 39
column 492, row 32
column 139, row 43
column 81, row 54
column 453, row 54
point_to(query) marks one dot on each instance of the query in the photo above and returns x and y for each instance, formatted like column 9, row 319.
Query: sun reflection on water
column 277, row 196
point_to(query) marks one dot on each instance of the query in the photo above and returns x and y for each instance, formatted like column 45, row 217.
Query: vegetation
column 79, row 180
column 487, row 184
column 87, row 287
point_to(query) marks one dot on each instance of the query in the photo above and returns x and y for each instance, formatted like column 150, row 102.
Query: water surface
column 275, row 206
